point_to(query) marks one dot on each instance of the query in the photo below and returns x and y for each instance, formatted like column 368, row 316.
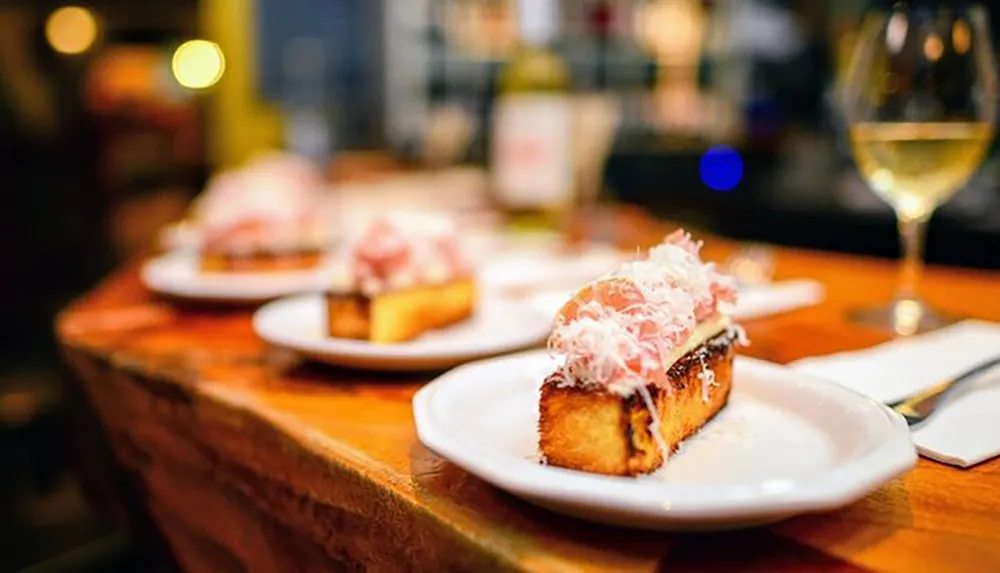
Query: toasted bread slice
column 401, row 315
column 598, row 431
column 212, row 262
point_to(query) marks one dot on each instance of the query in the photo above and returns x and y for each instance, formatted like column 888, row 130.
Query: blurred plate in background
column 498, row 326
column 178, row 274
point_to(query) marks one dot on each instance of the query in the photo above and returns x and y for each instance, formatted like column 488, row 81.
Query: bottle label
column 532, row 151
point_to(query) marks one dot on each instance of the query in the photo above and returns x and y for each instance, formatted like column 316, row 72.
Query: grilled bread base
column 602, row 432
column 400, row 315
column 259, row 262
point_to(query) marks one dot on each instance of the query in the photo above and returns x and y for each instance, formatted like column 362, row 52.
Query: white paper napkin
column 966, row 429
column 543, row 269
column 754, row 302
column 777, row 297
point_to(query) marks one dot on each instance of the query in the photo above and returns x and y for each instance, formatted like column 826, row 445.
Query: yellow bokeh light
column 71, row 30
column 961, row 38
column 198, row 64
column 933, row 47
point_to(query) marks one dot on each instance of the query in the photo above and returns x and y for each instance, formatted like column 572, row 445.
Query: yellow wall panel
column 238, row 123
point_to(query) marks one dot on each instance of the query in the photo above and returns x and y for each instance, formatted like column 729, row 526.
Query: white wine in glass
column 920, row 101
column 917, row 166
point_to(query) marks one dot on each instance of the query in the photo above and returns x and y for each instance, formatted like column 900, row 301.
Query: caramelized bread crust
column 602, row 432
column 259, row 262
column 400, row 315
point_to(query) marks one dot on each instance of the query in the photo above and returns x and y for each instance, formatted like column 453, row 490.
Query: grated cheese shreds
column 627, row 334
column 401, row 250
column 272, row 204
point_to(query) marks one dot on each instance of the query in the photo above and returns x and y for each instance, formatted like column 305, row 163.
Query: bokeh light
column 721, row 168
column 71, row 30
column 933, row 47
column 961, row 36
column 198, row 64
column 895, row 32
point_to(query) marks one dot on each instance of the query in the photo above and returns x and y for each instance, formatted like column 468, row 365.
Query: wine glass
column 920, row 102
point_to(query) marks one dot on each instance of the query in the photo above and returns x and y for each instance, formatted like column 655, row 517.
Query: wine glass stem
column 912, row 231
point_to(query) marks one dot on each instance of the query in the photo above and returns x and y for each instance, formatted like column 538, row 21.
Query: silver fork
column 920, row 406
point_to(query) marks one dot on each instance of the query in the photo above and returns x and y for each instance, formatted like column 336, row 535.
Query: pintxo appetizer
column 263, row 217
column 648, row 361
column 403, row 276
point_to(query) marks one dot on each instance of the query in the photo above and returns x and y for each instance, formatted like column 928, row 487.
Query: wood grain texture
column 251, row 461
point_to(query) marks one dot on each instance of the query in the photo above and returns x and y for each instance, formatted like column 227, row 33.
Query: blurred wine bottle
column 531, row 158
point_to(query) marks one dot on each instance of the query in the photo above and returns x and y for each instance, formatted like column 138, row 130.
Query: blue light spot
column 721, row 168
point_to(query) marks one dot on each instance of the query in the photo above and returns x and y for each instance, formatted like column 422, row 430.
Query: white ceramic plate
column 498, row 326
column 177, row 274
column 785, row 444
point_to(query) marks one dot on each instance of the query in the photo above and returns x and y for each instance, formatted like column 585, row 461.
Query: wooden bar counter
column 246, row 460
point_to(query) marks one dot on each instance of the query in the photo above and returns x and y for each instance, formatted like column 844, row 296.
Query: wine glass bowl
column 920, row 103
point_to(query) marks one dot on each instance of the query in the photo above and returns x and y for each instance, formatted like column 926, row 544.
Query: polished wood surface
column 249, row 460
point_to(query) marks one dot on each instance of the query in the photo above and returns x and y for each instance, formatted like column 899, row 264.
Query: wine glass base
column 902, row 317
